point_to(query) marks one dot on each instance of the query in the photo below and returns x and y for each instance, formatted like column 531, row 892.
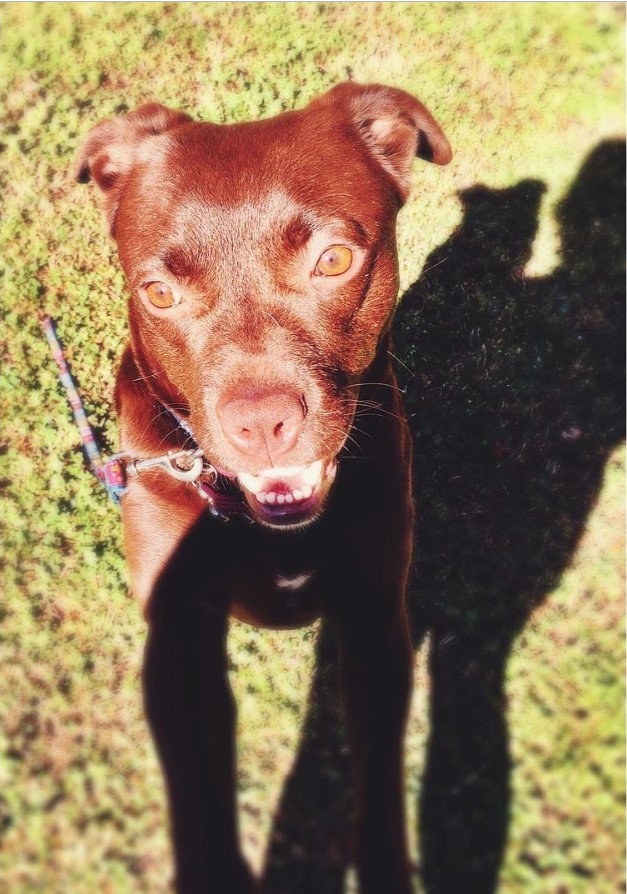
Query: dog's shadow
column 514, row 390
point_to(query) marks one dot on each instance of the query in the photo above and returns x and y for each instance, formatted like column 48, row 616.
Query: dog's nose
column 262, row 424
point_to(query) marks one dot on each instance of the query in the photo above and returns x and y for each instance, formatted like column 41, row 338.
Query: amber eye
column 335, row 260
column 161, row 295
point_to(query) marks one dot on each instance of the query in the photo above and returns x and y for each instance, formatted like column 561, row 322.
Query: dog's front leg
column 190, row 710
column 189, row 703
column 375, row 668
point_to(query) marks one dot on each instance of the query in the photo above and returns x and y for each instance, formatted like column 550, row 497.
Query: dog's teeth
column 273, row 486
column 250, row 482
column 279, row 472
column 311, row 474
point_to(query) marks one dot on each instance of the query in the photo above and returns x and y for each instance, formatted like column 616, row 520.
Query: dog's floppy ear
column 110, row 148
column 395, row 126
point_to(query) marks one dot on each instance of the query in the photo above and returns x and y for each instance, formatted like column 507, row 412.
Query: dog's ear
column 111, row 147
column 395, row 126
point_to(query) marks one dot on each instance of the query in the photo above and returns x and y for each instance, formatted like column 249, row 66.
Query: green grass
column 524, row 91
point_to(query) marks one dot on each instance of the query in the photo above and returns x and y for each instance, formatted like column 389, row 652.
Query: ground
column 510, row 346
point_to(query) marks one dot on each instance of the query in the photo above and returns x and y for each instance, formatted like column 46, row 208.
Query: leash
column 222, row 498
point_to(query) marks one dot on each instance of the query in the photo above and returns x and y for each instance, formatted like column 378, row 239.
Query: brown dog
column 262, row 265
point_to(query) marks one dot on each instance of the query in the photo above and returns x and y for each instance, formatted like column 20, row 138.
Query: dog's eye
column 161, row 295
column 335, row 260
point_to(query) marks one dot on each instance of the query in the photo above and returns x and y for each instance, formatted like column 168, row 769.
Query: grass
column 511, row 325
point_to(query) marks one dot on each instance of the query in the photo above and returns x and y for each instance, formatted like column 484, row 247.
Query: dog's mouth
column 288, row 497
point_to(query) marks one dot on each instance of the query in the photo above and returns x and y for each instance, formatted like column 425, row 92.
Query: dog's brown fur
column 273, row 364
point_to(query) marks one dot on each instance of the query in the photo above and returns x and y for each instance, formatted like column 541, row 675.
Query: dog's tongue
column 281, row 486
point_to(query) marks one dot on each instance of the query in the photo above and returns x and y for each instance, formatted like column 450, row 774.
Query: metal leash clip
column 184, row 465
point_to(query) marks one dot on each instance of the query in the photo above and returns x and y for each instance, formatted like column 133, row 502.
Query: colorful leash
column 111, row 473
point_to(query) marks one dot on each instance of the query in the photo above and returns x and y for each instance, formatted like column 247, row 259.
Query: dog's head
column 262, row 264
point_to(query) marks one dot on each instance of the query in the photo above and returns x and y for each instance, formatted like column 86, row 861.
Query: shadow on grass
column 514, row 390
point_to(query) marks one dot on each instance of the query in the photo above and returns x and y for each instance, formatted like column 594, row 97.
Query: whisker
column 145, row 378
column 394, row 386
column 400, row 362
column 433, row 266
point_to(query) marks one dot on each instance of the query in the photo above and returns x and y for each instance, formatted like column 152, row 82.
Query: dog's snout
column 262, row 424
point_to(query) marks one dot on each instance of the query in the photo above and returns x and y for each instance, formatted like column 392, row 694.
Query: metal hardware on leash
column 184, row 465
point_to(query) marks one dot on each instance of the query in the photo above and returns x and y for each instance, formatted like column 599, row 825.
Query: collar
column 222, row 495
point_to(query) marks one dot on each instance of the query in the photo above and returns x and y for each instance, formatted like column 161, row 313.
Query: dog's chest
column 291, row 584
column 278, row 594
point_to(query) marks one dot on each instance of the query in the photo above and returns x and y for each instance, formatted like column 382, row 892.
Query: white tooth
column 280, row 498
column 298, row 495
column 250, row 482
column 270, row 497
column 289, row 498
column 311, row 475
column 279, row 472
column 261, row 496
column 307, row 492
